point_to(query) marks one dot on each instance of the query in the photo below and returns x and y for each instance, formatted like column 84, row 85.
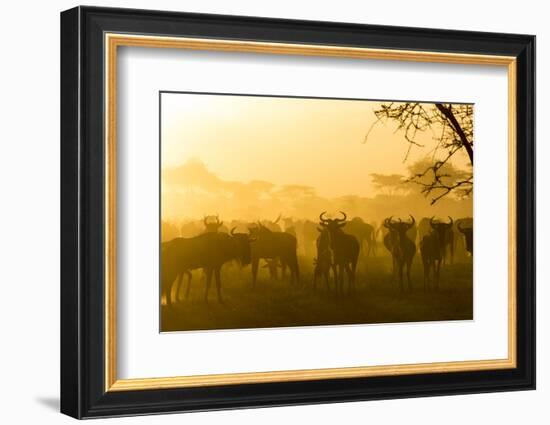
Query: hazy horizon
column 244, row 138
column 246, row 156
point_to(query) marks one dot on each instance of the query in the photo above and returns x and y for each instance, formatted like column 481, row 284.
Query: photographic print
column 280, row 211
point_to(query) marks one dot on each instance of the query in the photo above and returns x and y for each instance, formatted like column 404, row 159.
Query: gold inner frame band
column 113, row 41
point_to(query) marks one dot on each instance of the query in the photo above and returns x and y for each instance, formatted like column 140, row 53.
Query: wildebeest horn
column 277, row 219
column 218, row 219
column 432, row 221
column 387, row 222
column 412, row 220
column 205, row 220
column 233, row 231
column 451, row 222
column 321, row 219
column 342, row 219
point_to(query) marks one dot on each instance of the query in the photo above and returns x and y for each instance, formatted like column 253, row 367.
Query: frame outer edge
column 533, row 127
column 79, row 399
column 70, row 349
column 529, row 135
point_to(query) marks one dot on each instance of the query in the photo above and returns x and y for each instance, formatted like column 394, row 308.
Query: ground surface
column 274, row 303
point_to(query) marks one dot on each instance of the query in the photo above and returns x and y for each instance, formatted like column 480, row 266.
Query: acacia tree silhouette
column 453, row 126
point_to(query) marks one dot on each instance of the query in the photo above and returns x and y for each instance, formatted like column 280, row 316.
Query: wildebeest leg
column 326, row 274
column 409, row 263
column 431, row 275
column 452, row 247
column 425, row 274
column 350, row 278
column 174, row 289
column 393, row 269
column 180, row 282
column 315, row 274
column 166, row 291
column 292, row 263
column 341, row 278
column 274, row 271
column 208, row 282
column 335, row 273
column 255, row 262
column 336, row 279
column 437, row 268
column 427, row 269
column 218, row 283
column 401, row 265
column 353, row 273
column 369, row 246
column 295, row 270
column 292, row 274
column 188, row 285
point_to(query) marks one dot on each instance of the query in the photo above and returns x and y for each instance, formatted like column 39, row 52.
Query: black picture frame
column 82, row 219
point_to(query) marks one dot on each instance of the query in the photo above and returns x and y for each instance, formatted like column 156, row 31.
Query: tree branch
column 457, row 127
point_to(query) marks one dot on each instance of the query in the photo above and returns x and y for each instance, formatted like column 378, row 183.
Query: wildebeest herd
column 334, row 245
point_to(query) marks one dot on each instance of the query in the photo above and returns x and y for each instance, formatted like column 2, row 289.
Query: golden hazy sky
column 286, row 141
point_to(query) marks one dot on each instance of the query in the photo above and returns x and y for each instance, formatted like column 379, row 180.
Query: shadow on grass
column 275, row 303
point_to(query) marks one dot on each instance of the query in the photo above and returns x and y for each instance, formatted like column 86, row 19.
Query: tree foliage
column 453, row 129
column 390, row 183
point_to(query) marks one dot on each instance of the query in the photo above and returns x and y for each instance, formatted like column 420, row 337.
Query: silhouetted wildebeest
column 212, row 226
column 402, row 248
column 432, row 250
column 363, row 232
column 273, row 225
column 468, row 233
column 209, row 251
column 382, row 231
column 345, row 250
column 424, row 229
column 324, row 261
column 274, row 245
column 449, row 240
column 449, row 248
column 290, row 228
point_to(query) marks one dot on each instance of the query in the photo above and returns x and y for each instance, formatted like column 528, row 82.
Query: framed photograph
column 261, row 212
